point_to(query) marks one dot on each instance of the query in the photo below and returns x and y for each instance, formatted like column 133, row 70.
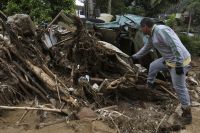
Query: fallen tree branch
column 169, row 92
column 127, row 66
column 29, row 76
column 173, row 116
column 105, row 108
column 50, row 73
column 18, row 77
column 24, row 114
column 24, row 89
column 64, row 41
column 30, row 86
column 115, row 84
column 45, row 78
column 157, row 128
column 160, row 82
column 112, row 113
column 118, row 131
column 34, row 108
column 33, row 88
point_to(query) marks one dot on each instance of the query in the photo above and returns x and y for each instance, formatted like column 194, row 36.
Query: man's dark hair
column 147, row 21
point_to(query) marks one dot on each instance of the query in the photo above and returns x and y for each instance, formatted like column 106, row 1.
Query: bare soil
column 28, row 125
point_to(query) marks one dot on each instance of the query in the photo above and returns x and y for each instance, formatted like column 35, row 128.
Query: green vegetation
column 39, row 10
column 171, row 21
column 118, row 6
column 138, row 7
column 192, row 44
column 154, row 7
column 193, row 7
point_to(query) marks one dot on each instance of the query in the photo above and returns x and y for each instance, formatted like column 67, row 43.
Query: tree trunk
column 109, row 6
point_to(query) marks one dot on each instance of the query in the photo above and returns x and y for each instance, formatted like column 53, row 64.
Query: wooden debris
column 157, row 128
column 115, row 84
column 173, row 117
column 34, row 108
column 30, row 78
column 61, row 14
column 24, row 114
column 106, row 108
column 169, row 92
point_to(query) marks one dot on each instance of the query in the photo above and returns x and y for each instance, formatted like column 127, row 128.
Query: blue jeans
column 178, row 81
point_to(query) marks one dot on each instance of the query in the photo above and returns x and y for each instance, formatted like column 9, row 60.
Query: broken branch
column 33, row 108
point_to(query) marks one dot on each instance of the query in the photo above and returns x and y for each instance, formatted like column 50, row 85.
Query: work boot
column 186, row 116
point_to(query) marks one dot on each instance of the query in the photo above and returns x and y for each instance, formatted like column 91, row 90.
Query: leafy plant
column 192, row 44
column 118, row 6
column 193, row 7
column 39, row 10
column 171, row 21
column 136, row 11
column 154, row 7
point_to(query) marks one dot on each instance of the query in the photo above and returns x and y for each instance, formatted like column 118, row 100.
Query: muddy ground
column 137, row 116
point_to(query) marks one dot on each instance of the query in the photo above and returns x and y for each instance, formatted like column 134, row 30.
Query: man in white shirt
column 175, row 58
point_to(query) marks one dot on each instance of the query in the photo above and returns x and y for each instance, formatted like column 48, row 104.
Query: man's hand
column 133, row 59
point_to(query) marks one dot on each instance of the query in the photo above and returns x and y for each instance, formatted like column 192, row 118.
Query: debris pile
column 68, row 71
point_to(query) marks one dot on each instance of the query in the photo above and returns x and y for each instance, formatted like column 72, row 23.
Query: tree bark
column 109, row 6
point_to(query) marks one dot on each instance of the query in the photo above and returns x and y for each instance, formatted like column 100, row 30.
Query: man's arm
column 143, row 51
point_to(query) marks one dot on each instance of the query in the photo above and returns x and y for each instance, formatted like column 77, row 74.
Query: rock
column 195, row 104
column 53, row 102
column 198, row 89
column 86, row 113
column 194, row 94
column 192, row 81
column 192, row 73
column 22, row 23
